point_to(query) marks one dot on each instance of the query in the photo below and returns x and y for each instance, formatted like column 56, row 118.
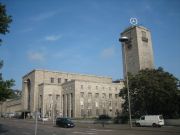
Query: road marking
column 107, row 130
column 85, row 133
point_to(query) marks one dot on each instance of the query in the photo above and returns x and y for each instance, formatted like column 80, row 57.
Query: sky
column 81, row 36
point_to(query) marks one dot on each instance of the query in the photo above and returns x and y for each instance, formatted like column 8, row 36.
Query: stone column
column 69, row 95
column 72, row 111
column 66, row 105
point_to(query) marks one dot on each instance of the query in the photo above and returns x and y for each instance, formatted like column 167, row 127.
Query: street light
column 126, row 41
column 25, row 82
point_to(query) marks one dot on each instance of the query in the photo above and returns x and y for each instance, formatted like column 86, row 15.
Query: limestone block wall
column 138, row 50
column 93, row 99
column 11, row 106
column 28, row 79
column 51, row 96
column 145, row 48
column 37, row 77
column 69, row 99
column 64, row 90
column 131, row 52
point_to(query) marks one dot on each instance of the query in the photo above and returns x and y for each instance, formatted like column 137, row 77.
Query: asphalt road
column 27, row 127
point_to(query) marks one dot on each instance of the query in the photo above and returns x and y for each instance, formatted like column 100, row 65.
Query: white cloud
column 53, row 37
column 108, row 53
column 44, row 16
column 36, row 56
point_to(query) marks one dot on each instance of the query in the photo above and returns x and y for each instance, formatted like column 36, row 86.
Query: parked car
column 150, row 120
column 64, row 122
column 44, row 119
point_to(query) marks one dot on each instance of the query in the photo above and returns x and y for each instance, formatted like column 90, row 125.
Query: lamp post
column 125, row 41
column 25, row 84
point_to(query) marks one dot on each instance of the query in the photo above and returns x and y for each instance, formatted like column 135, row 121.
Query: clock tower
column 137, row 49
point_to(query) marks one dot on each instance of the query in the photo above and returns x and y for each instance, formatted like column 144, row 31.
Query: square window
column 97, row 95
column 104, row 95
column 82, row 94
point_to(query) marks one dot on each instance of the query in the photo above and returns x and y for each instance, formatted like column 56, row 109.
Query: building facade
column 54, row 94
column 70, row 95
column 137, row 52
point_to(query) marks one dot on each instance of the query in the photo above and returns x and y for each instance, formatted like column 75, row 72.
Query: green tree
column 5, row 20
column 152, row 92
column 5, row 89
column 5, row 85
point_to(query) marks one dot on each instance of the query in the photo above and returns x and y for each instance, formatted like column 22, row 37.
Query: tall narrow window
column 116, row 96
column 59, row 80
column 66, row 80
column 52, row 80
column 110, row 96
column 144, row 37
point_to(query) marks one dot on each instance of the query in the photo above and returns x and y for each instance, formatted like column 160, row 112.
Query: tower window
column 144, row 37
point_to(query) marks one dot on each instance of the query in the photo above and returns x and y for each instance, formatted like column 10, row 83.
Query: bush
column 123, row 119
column 104, row 117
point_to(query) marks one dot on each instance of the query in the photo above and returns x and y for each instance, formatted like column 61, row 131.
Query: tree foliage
column 5, row 20
column 5, row 89
column 152, row 92
column 5, row 85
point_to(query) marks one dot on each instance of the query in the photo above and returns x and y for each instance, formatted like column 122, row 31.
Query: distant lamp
column 25, row 81
column 127, row 42
column 124, row 39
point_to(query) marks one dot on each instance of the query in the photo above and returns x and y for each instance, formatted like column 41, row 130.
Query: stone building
column 70, row 95
column 76, row 95
column 137, row 51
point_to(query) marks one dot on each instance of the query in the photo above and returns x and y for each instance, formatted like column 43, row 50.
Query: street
column 27, row 127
